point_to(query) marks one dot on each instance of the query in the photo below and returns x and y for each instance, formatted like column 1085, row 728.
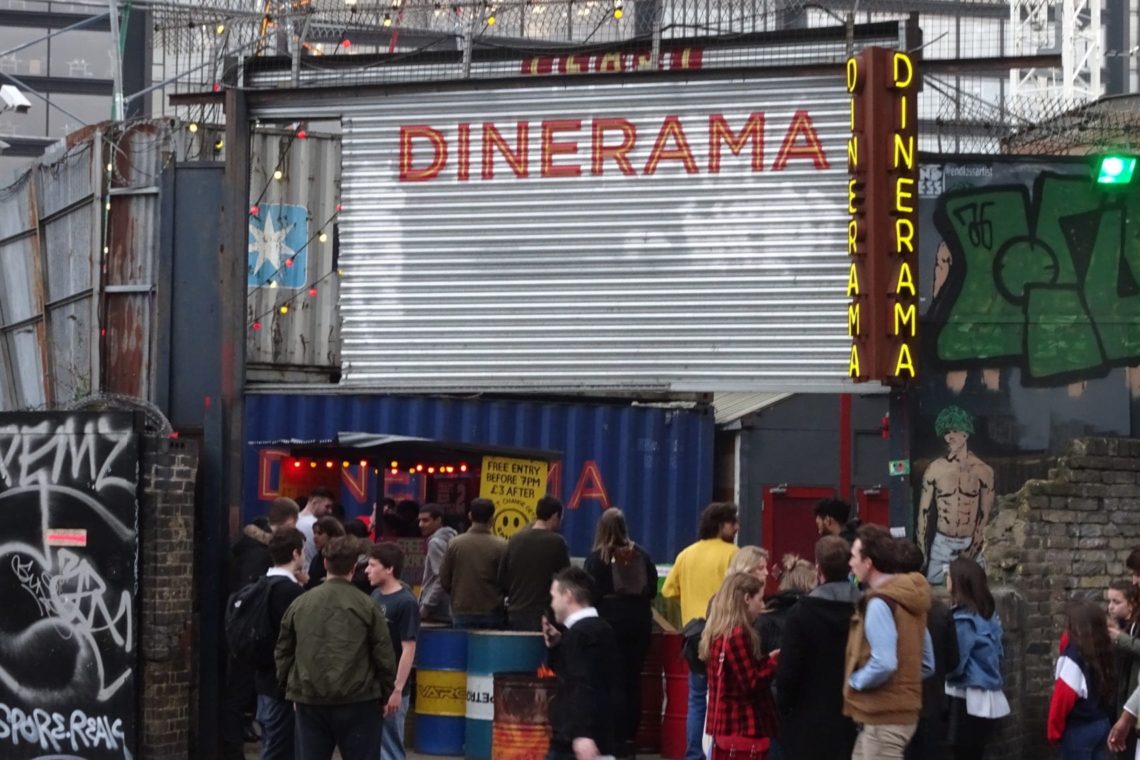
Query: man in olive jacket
column 335, row 662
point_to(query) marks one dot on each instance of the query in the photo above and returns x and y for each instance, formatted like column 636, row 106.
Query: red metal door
column 789, row 521
column 874, row 505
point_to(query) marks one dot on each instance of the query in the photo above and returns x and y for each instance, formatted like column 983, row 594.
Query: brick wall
column 1054, row 541
column 166, row 546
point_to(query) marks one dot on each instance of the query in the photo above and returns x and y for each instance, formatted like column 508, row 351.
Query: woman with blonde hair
column 751, row 560
column 740, row 676
column 625, row 582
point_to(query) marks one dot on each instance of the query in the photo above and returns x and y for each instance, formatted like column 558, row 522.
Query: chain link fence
column 373, row 42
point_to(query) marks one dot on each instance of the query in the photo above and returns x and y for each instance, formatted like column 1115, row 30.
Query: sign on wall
column 666, row 234
column 882, row 199
column 515, row 486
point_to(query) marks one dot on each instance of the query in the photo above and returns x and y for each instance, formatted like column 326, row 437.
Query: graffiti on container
column 957, row 497
column 1046, row 280
column 68, row 506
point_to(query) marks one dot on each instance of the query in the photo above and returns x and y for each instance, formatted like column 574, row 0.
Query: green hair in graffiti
column 954, row 418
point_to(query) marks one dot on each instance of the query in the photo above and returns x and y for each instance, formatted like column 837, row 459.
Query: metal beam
column 930, row 7
column 26, row 147
column 69, row 85
column 52, row 20
column 1000, row 64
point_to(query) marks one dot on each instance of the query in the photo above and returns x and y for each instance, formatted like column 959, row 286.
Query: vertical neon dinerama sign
column 882, row 199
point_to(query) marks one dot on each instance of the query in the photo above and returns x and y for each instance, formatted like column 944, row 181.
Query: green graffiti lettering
column 1110, row 290
column 983, row 323
column 1061, row 340
column 1050, row 282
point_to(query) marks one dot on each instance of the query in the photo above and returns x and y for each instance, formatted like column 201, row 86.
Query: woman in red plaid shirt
column 740, row 692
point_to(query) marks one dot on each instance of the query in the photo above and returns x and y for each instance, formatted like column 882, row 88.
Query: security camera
column 14, row 100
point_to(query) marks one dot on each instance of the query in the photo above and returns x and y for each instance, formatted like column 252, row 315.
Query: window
column 82, row 55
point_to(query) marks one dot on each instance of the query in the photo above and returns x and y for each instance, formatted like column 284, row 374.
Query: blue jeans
column 276, row 719
column 695, row 722
column 488, row 620
column 392, row 740
column 1086, row 741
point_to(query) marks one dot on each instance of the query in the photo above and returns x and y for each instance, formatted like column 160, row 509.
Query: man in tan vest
column 889, row 650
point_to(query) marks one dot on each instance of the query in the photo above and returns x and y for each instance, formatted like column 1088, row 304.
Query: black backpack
column 250, row 633
column 691, row 647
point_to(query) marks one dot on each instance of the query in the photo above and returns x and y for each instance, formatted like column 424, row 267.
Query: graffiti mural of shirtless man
column 957, row 497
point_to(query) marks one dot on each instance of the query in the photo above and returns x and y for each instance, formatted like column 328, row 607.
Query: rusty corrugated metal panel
column 137, row 156
column 69, row 221
column 298, row 207
column 19, row 304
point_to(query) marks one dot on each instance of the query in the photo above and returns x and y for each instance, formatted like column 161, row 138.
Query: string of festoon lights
column 394, row 467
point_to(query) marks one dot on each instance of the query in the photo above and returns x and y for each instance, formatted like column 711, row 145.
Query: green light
column 1115, row 170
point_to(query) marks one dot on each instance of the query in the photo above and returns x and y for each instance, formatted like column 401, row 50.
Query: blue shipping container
column 656, row 464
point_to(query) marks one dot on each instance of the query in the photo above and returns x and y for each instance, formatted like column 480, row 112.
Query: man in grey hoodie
column 435, row 606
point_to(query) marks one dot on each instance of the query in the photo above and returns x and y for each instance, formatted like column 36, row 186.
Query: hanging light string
column 277, row 167
column 282, row 308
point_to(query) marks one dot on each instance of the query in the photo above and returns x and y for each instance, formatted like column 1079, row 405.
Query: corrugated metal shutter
column 676, row 280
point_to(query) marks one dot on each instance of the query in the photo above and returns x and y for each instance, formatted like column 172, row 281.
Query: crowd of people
column 853, row 655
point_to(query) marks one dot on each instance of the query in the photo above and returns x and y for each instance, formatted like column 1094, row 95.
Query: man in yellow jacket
column 696, row 575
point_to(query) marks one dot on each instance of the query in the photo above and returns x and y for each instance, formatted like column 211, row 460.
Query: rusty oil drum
column 521, row 728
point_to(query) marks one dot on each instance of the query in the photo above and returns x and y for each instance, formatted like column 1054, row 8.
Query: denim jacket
column 979, row 651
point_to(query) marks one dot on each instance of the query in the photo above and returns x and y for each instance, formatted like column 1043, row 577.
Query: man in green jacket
column 335, row 662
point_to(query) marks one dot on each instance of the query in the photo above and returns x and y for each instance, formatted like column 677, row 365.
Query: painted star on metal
column 269, row 243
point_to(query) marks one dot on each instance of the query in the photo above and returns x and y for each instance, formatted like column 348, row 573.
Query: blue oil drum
column 488, row 653
column 441, row 691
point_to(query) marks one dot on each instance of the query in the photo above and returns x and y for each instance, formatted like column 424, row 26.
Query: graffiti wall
column 1031, row 332
column 68, row 581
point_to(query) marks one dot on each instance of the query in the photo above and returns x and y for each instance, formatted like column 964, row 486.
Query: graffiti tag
column 1047, row 281
column 57, row 732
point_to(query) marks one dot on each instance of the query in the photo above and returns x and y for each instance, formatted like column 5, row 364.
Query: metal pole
column 117, row 63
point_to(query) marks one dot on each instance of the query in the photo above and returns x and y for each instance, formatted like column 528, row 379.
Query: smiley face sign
column 515, row 486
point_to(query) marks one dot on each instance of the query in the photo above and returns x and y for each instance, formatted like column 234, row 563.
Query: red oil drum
column 521, row 727
column 676, row 697
column 648, row 739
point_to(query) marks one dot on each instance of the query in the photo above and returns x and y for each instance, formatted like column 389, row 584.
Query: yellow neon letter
column 904, row 362
column 853, row 366
column 852, row 73
column 903, row 316
column 852, row 282
column 853, row 152
column 906, row 280
column 904, row 236
column 903, row 71
column 904, row 148
column 852, row 237
column 851, row 207
column 904, row 194
column 853, row 322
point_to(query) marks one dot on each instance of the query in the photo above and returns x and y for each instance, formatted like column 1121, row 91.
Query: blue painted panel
column 656, row 464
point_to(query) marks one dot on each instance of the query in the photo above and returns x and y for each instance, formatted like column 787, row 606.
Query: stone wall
column 167, row 579
column 1054, row 541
